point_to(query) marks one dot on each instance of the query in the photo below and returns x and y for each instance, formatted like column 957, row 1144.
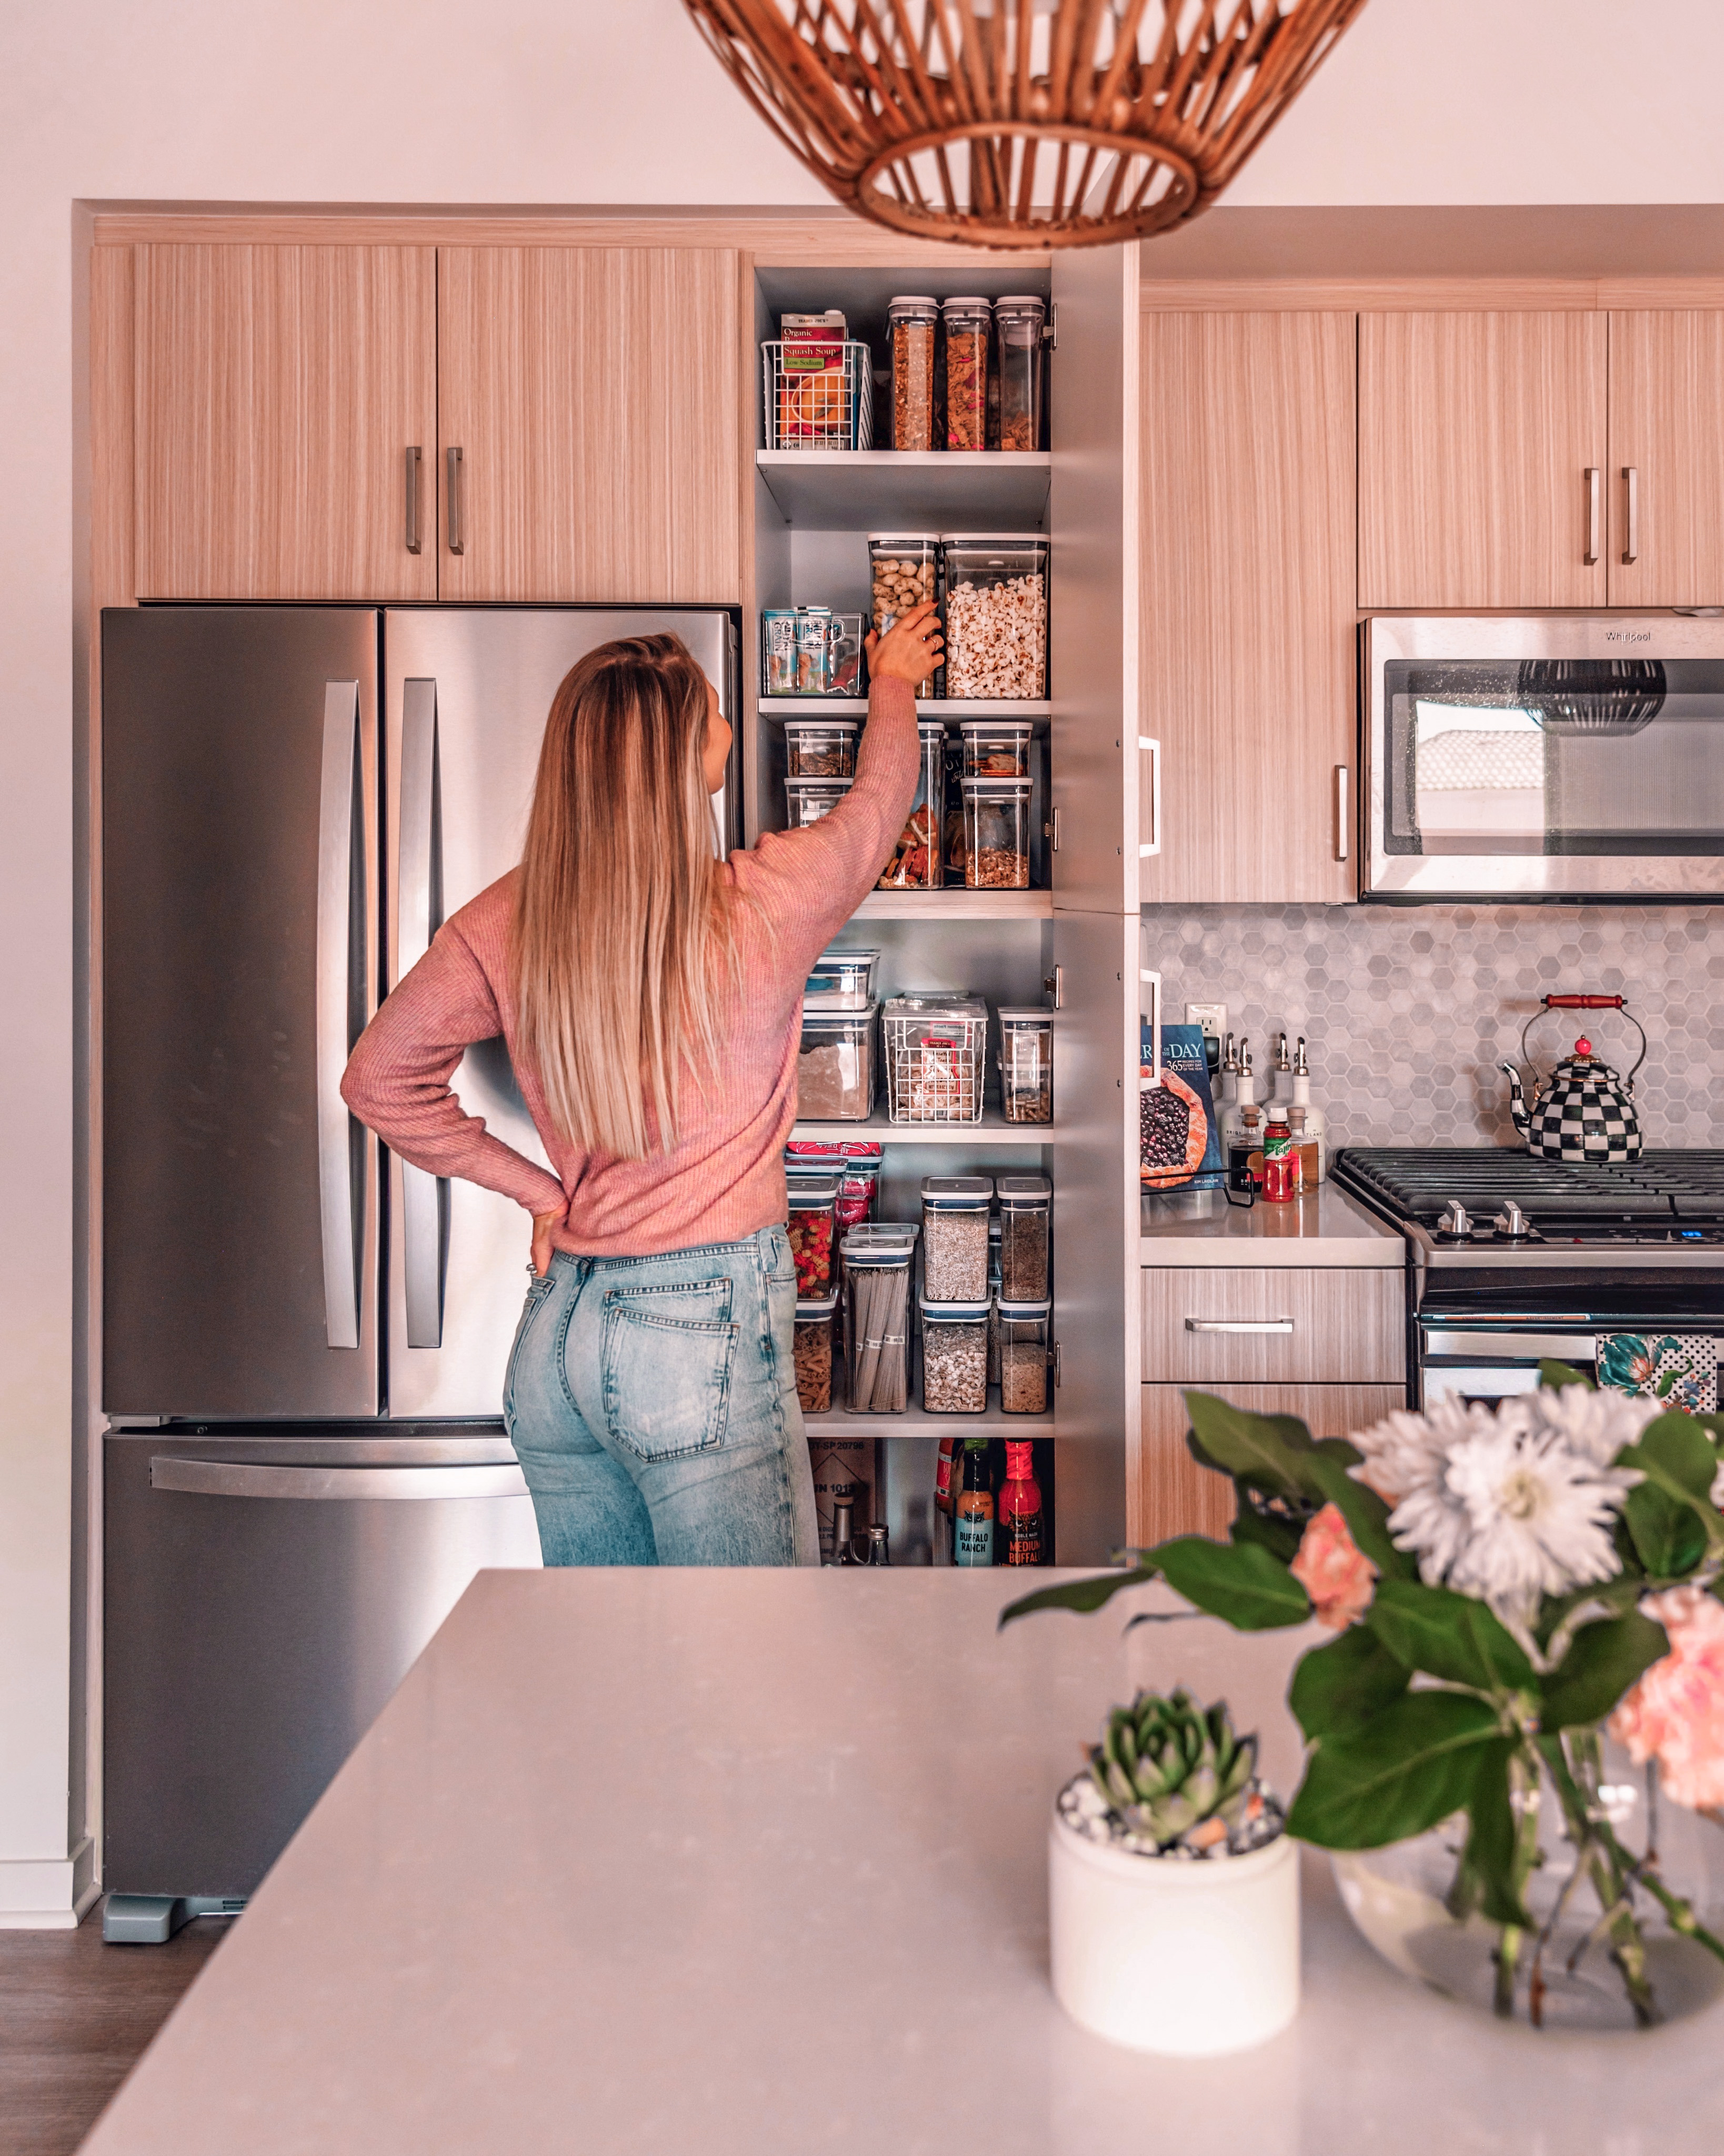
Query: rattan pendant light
column 1024, row 123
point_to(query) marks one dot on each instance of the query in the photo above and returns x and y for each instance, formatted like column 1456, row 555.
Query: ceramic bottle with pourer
column 1242, row 1128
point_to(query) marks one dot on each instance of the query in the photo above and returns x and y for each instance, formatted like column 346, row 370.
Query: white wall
column 529, row 101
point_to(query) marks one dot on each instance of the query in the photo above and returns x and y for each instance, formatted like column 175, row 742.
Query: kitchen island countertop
column 1325, row 1227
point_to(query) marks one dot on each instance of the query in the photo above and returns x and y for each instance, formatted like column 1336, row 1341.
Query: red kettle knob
column 1582, row 1046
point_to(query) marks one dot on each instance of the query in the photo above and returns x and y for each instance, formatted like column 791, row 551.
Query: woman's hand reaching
column 909, row 650
column 543, row 1223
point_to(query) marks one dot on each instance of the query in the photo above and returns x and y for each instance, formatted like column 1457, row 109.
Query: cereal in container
column 997, row 834
column 1026, row 1066
column 917, row 854
column 968, row 322
column 1020, row 320
column 996, row 614
column 904, row 572
column 954, row 1357
column 955, row 1237
column 913, row 321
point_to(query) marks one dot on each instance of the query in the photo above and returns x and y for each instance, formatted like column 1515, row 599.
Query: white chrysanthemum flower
column 1596, row 1424
column 1404, row 1451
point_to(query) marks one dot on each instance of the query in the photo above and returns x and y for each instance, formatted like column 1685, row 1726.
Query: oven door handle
column 1505, row 1347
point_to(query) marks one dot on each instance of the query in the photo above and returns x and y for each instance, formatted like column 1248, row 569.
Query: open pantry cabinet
column 1069, row 939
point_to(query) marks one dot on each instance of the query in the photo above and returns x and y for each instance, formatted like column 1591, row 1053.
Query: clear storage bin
column 813, row 1201
column 820, row 748
column 955, row 1237
column 877, row 1292
column 808, row 800
column 914, row 322
column 1023, row 1357
column 1026, row 1066
column 996, row 748
column 997, row 834
column 918, row 856
column 954, row 1357
column 904, row 572
column 934, row 1049
column 842, row 980
column 996, row 613
column 1026, row 1217
column 968, row 322
column 811, row 1350
column 1018, row 320
column 834, row 1067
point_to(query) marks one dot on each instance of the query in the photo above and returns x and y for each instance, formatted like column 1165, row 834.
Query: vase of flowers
column 1515, row 1740
column 1173, row 1888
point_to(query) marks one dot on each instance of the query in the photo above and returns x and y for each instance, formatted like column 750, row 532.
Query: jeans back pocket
column 666, row 1367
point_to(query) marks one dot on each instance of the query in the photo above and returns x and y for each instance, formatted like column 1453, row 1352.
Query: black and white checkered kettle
column 1584, row 1110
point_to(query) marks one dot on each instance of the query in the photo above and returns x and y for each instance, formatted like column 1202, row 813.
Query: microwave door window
column 1479, row 780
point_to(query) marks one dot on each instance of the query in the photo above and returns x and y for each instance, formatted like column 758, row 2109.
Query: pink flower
column 1676, row 1713
column 1338, row 1578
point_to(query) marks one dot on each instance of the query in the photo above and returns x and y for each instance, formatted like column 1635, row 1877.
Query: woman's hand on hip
column 543, row 1223
column 909, row 650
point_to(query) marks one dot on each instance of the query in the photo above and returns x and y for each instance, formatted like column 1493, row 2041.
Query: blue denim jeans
column 652, row 1404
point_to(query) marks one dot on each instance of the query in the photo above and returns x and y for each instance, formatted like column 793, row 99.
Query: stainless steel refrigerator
column 304, row 1342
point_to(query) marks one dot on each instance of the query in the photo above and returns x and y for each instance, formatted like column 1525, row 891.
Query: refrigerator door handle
column 416, row 924
column 341, row 964
column 238, row 1478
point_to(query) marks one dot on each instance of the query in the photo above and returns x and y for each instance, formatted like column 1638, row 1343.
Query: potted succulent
column 1172, row 1889
column 1516, row 1740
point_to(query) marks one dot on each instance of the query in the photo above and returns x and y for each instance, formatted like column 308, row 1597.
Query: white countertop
column 730, row 1862
column 1325, row 1227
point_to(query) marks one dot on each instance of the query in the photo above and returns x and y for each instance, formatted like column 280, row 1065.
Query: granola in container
column 968, row 322
column 914, row 323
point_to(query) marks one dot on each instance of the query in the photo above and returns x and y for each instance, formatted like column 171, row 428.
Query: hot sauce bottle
column 1020, row 1522
column 973, row 1523
column 1281, row 1160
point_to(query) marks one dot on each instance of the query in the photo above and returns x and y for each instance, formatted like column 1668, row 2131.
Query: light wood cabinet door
column 1260, row 1324
column 592, row 395
column 1170, row 1495
column 1667, row 475
column 1476, row 436
column 278, row 391
column 1249, row 674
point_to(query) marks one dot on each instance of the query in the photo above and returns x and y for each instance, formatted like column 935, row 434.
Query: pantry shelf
column 955, row 904
column 992, row 1131
column 835, row 488
column 916, row 1422
column 955, row 709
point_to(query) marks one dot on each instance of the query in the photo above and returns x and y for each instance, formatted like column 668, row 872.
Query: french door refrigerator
column 303, row 1341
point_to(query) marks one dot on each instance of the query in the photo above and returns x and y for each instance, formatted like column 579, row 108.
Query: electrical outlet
column 1212, row 1017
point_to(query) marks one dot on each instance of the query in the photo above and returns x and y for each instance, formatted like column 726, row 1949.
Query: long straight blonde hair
column 621, row 950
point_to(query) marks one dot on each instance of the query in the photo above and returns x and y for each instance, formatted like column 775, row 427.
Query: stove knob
column 1456, row 1220
column 1512, row 1224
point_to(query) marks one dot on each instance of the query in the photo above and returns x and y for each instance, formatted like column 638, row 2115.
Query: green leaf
column 1602, row 1660
column 1411, row 1765
column 1280, row 1538
column 1680, row 1449
column 1366, row 1514
column 1489, row 1857
column 1553, row 1376
column 1614, row 1595
column 1669, row 1539
column 1448, row 1635
column 1083, row 1595
column 1261, row 1449
column 1239, row 1581
column 1676, row 1457
column 1340, row 1686
column 1338, row 1447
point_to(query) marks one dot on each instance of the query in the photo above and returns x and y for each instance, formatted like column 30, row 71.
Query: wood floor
column 74, row 2016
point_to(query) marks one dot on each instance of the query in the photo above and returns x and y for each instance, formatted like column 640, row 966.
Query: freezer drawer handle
column 1239, row 1325
column 341, row 969
column 245, row 1478
column 416, row 923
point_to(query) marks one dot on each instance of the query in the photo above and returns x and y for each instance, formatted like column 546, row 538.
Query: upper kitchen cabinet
column 1247, row 666
column 1482, row 460
column 592, row 417
column 280, row 391
column 1667, row 475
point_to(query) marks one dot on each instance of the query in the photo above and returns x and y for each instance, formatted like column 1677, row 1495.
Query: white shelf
column 955, row 904
column 983, row 489
column 916, row 1421
column 993, row 1131
column 954, row 708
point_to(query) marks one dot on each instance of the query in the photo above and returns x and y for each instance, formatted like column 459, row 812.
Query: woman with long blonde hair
column 650, row 997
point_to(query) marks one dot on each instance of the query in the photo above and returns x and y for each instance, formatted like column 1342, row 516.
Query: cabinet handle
column 456, row 541
column 1239, row 1325
column 414, row 457
column 1152, row 982
column 1340, row 814
column 1152, row 750
column 1594, row 507
column 1631, row 483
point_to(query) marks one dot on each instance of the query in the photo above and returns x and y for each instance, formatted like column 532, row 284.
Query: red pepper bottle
column 1020, row 1507
column 1281, row 1167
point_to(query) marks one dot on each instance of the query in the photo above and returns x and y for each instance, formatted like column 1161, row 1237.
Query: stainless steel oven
column 1544, row 756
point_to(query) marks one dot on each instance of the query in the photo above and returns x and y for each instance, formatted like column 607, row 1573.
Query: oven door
column 1488, row 1363
column 1547, row 757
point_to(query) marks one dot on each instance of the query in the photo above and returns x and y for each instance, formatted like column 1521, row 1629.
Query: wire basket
column 830, row 409
column 935, row 1058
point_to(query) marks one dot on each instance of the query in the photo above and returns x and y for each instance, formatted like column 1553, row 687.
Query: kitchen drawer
column 1318, row 1325
column 1169, row 1494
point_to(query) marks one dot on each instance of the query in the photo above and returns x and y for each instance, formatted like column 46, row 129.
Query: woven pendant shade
column 1023, row 123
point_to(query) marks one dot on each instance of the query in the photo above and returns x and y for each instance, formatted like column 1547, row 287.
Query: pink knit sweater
column 725, row 1178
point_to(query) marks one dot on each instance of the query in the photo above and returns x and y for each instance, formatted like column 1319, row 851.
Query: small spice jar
column 808, row 800
column 967, row 321
column 812, row 1210
column 1020, row 319
column 997, row 834
column 811, row 1350
column 995, row 748
column 1026, row 1066
column 917, row 854
column 1026, row 1217
column 913, row 321
column 904, row 572
column 820, row 748
column 834, row 1067
column 877, row 1320
column 1023, row 1357
column 954, row 1357
column 996, row 613
column 955, row 1238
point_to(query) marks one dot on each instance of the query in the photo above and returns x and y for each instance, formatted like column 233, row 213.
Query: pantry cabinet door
column 279, row 390
column 1667, row 479
column 1477, row 433
column 591, row 423
column 1247, row 660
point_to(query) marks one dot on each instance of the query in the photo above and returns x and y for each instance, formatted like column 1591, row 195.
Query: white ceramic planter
column 1185, row 1958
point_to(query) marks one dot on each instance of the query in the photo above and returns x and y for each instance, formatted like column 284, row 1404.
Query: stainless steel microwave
column 1544, row 756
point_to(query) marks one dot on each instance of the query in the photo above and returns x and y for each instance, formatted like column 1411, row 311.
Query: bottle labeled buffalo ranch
column 972, row 1521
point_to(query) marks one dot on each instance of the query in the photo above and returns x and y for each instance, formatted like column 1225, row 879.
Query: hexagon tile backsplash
column 1407, row 1010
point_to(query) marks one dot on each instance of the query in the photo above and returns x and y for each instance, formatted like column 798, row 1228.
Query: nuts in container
column 954, row 1358
column 916, row 855
column 996, row 614
column 934, row 1047
column 904, row 572
column 997, row 834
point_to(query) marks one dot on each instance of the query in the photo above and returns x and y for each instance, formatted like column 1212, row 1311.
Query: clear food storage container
column 858, row 1185
column 996, row 613
column 914, row 322
column 820, row 748
column 811, row 1350
column 968, row 322
column 813, row 1202
column 1026, row 1215
column 1018, row 320
column 917, row 854
column 877, row 1321
column 954, row 1357
column 934, row 1048
column 955, row 1237
column 993, row 1296
column 1026, row 1066
column 996, row 748
column 809, row 799
column 842, row 980
column 997, row 834
column 810, row 651
column 834, row 1067
column 904, row 572
column 1023, row 1357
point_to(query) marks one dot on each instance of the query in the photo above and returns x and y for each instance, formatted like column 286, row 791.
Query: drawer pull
column 1239, row 1325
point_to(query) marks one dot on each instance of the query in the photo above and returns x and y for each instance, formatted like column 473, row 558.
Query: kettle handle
column 1585, row 1003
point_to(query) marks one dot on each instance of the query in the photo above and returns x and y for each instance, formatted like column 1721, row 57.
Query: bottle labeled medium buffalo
column 1020, row 1508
